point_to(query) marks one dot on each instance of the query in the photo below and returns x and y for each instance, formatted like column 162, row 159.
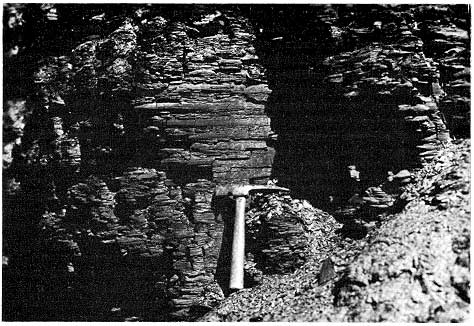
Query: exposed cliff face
column 132, row 133
column 386, row 91
column 447, row 40
column 119, row 137
column 200, row 99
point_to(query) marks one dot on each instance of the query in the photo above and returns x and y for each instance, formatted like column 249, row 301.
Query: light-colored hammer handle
column 238, row 246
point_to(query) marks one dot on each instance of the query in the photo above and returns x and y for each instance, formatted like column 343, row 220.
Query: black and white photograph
column 236, row 162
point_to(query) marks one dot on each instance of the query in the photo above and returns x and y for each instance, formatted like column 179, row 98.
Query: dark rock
column 327, row 271
column 120, row 121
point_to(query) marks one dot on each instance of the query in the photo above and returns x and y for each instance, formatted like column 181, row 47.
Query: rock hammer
column 240, row 193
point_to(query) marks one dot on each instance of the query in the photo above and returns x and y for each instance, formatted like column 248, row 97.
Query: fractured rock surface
column 413, row 268
column 119, row 121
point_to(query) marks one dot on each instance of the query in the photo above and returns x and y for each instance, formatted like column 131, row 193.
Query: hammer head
column 239, row 190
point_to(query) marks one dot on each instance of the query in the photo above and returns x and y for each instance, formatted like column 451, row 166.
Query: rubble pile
column 413, row 268
column 425, row 246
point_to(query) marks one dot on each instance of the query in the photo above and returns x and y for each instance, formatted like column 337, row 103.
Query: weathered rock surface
column 395, row 77
column 200, row 99
column 413, row 268
column 119, row 121
column 447, row 40
column 129, row 134
column 283, row 232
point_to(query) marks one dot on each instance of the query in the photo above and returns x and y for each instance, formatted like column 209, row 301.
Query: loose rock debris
column 414, row 268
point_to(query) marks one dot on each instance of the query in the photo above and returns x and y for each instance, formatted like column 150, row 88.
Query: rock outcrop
column 201, row 97
column 119, row 122
column 413, row 268
column 129, row 134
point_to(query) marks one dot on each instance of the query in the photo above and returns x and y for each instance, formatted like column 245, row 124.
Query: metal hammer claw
column 240, row 193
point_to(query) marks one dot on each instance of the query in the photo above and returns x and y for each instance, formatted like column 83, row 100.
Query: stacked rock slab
column 445, row 33
column 201, row 100
column 398, row 80
column 450, row 45
column 135, row 130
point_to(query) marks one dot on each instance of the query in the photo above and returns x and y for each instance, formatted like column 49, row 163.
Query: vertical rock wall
column 201, row 99
column 129, row 134
column 396, row 82
column 373, row 97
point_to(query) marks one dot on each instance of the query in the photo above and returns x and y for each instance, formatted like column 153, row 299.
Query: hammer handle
column 238, row 246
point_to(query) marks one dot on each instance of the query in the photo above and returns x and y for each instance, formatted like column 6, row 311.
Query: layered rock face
column 132, row 132
column 124, row 130
column 201, row 96
column 369, row 99
column 395, row 81
column 200, row 102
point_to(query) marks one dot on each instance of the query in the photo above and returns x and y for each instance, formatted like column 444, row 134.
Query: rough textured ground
column 414, row 268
